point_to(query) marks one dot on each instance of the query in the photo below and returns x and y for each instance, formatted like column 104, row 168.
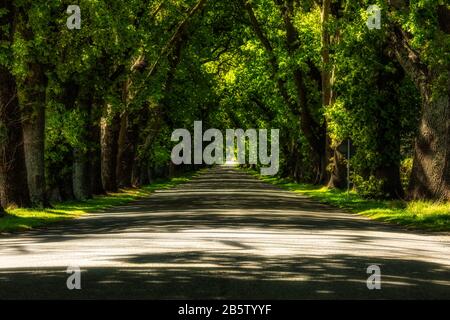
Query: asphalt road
column 225, row 234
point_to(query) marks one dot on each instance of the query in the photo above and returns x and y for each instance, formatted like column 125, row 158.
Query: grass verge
column 26, row 219
column 415, row 214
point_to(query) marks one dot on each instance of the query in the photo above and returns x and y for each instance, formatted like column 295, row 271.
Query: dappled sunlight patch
column 261, row 239
column 416, row 214
column 20, row 219
column 426, row 208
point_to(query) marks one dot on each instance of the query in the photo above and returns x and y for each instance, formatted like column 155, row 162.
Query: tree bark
column 60, row 172
column 32, row 99
column 125, row 152
column 110, row 125
column 13, row 178
column 144, row 177
column 81, row 182
column 390, row 174
column 81, row 152
column 326, row 83
column 171, row 170
column 337, row 169
column 136, row 176
column 95, row 156
column 293, row 163
column 127, row 139
column 65, row 186
column 338, row 177
column 430, row 177
column 313, row 131
column 388, row 130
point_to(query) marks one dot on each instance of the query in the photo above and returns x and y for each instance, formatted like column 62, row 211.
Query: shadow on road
column 196, row 275
column 225, row 234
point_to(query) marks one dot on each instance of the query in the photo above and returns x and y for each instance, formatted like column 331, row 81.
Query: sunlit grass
column 414, row 214
column 25, row 219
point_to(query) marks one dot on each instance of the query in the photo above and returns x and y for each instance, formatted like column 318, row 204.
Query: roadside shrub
column 371, row 188
column 405, row 171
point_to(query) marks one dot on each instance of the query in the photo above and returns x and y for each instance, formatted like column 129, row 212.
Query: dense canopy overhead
column 89, row 110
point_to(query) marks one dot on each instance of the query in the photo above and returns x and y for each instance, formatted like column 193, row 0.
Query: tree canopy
column 90, row 110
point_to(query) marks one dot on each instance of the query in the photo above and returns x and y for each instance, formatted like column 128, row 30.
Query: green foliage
column 160, row 151
column 377, row 104
column 371, row 188
column 25, row 219
column 414, row 215
column 405, row 171
column 220, row 72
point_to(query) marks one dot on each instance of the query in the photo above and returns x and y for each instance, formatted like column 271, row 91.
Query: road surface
column 225, row 234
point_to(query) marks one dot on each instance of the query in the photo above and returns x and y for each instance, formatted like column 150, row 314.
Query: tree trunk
column 81, row 152
column 313, row 131
column 96, row 177
column 150, row 173
column 389, row 143
column 125, row 152
column 390, row 174
column 430, row 177
column 95, row 159
column 338, row 178
column 13, row 178
column 110, row 125
column 60, row 171
column 144, row 178
column 388, row 130
column 32, row 100
column 81, row 182
column 65, row 186
column 136, row 175
column 171, row 170
column 326, row 84
column 297, row 163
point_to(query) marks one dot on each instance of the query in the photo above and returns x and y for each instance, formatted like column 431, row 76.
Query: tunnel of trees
column 89, row 111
